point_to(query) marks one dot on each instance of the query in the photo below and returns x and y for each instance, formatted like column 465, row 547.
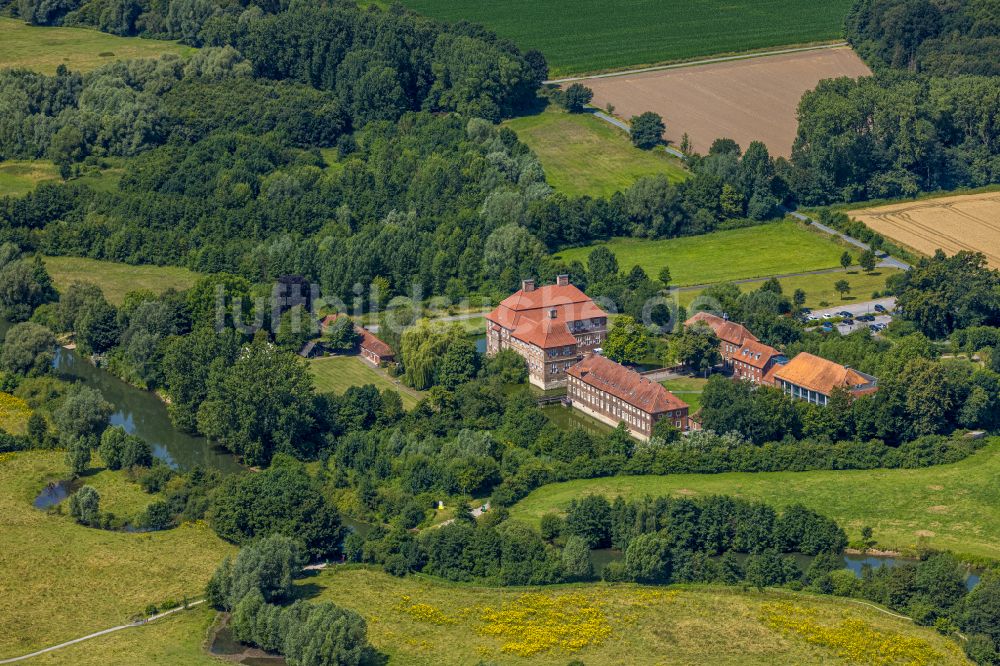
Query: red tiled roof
column 755, row 354
column 606, row 375
column 725, row 330
column 368, row 339
column 573, row 305
column 527, row 314
column 821, row 375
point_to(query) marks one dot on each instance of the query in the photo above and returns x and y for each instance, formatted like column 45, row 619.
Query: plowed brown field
column 963, row 222
column 744, row 100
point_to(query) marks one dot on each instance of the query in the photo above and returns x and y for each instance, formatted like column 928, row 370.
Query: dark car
column 805, row 311
column 845, row 313
column 866, row 318
column 848, row 322
column 879, row 308
column 875, row 327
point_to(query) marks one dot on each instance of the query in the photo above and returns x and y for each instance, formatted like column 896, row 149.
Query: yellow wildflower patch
column 14, row 414
column 423, row 612
column 535, row 622
column 853, row 639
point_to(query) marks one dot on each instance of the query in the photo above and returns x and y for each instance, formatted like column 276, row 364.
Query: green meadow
column 759, row 251
column 336, row 374
column 116, row 279
column 951, row 507
column 582, row 154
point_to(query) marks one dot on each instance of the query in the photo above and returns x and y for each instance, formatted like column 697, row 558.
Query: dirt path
column 103, row 632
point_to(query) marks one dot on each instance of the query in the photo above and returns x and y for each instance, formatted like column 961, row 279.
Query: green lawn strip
column 951, row 507
column 43, row 49
column 336, row 374
column 60, row 580
column 590, row 35
column 582, row 154
column 688, row 389
column 768, row 249
column 818, row 287
column 116, row 279
column 423, row 621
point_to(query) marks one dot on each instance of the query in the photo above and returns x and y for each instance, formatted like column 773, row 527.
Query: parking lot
column 873, row 313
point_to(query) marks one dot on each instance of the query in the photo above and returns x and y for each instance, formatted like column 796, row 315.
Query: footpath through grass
column 419, row 620
column 582, row 154
column 951, row 507
column 336, row 374
column 767, row 249
column 43, row 49
column 116, row 279
column 591, row 35
column 60, row 580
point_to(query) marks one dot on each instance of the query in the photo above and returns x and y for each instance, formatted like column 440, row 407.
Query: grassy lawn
column 19, row 177
column 818, row 287
column 688, row 389
column 115, row 279
column 952, row 507
column 760, row 251
column 177, row 639
column 336, row 374
column 589, row 35
column 419, row 620
column 44, row 48
column 60, row 580
column 582, row 154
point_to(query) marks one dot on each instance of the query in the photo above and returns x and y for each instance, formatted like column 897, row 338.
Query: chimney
column 527, row 285
column 562, row 280
column 553, row 313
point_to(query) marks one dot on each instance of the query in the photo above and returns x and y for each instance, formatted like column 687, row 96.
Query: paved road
column 704, row 61
column 621, row 124
column 887, row 261
column 120, row 627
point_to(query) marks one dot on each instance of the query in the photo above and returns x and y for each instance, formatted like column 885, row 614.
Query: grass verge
column 818, row 287
column 951, row 507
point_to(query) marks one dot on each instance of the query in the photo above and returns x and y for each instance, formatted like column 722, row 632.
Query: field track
column 963, row 222
column 749, row 99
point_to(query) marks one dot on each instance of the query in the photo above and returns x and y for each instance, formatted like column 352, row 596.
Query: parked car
column 805, row 311
column 846, row 314
column 827, row 327
column 879, row 307
column 848, row 322
column 865, row 318
column 874, row 327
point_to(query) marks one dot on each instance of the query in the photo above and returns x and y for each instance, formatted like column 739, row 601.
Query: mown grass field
column 589, row 35
column 582, row 154
column 767, row 249
column 818, row 287
column 952, row 507
column 115, row 279
column 419, row 620
column 43, row 49
column 688, row 389
column 60, row 580
column 336, row 374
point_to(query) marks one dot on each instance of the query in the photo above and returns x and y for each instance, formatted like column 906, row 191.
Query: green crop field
column 591, row 35
column 759, row 251
column 419, row 620
column 336, row 374
column 582, row 154
column 60, row 580
column 951, row 507
column 115, row 279
column 43, row 49
column 818, row 287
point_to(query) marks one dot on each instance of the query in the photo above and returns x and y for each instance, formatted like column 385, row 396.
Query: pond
column 52, row 494
column 601, row 557
column 143, row 414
